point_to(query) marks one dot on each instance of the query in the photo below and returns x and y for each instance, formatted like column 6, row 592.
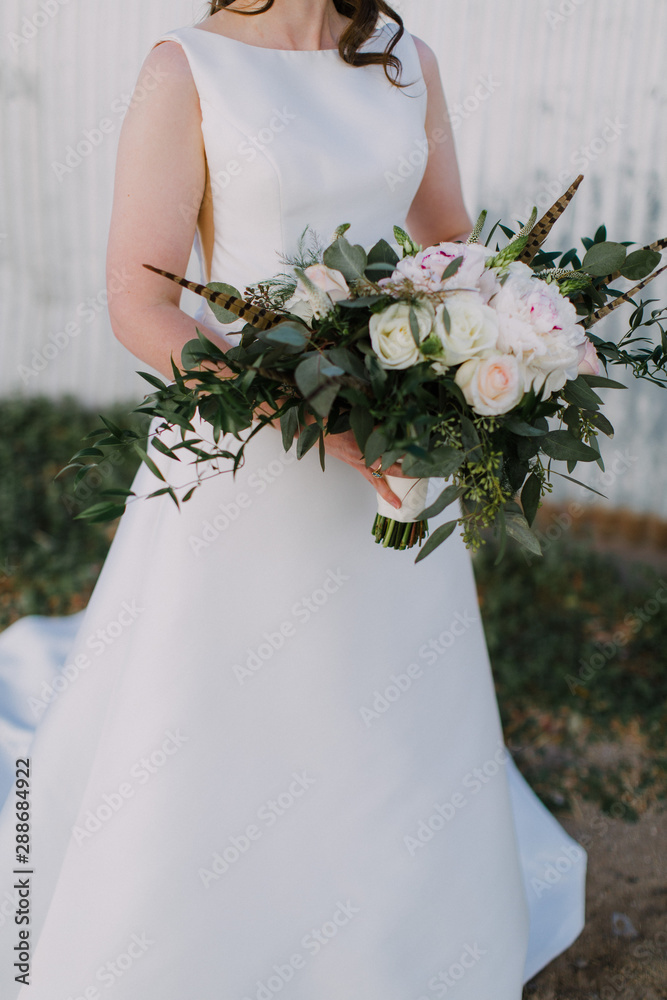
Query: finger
column 382, row 487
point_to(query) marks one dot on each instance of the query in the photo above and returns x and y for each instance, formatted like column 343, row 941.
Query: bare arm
column 438, row 213
column 159, row 185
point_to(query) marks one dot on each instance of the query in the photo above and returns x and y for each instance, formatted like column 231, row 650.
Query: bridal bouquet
column 459, row 361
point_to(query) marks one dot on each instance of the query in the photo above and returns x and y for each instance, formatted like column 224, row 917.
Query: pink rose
column 327, row 280
column 590, row 363
column 491, row 385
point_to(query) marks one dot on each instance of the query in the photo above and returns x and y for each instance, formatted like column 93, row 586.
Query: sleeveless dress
column 267, row 759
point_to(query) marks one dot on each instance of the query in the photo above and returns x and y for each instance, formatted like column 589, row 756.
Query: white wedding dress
column 267, row 758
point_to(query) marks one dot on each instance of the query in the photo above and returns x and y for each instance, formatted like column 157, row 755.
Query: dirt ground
column 622, row 952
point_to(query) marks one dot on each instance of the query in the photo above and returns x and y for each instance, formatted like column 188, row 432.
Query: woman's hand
column 344, row 446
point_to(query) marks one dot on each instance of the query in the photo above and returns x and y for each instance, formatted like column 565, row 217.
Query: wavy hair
column 364, row 15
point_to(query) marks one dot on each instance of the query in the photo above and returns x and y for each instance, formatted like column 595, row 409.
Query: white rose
column 391, row 336
column 491, row 385
column 473, row 329
column 551, row 369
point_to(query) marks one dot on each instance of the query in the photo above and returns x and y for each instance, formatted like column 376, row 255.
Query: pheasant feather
column 625, row 297
column 541, row 229
column 257, row 316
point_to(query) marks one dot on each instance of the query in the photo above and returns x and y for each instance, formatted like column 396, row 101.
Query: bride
column 276, row 765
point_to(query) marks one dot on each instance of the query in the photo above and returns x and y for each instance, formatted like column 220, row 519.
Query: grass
column 576, row 638
column 49, row 561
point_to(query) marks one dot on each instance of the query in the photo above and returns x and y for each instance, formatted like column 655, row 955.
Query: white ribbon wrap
column 412, row 493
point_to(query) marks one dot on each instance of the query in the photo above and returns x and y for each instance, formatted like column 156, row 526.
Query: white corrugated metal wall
column 540, row 90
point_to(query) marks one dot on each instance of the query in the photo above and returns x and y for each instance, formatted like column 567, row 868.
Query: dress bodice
column 301, row 138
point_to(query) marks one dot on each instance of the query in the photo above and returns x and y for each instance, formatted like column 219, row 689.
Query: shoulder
column 169, row 56
column 167, row 73
column 427, row 58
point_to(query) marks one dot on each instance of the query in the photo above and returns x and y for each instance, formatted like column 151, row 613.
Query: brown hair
column 364, row 15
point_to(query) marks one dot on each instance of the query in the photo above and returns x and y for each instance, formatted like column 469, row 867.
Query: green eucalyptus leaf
column 362, row 302
column 347, row 258
column 289, row 425
column 314, row 372
column 522, row 428
column 101, row 512
column 362, row 423
column 382, row 259
column 561, row 446
column 437, row 538
column 322, row 400
column 470, row 439
column 287, row 333
column 579, row 393
column 530, row 497
column 446, row 319
column 348, row 361
column 448, row 496
column 442, row 462
column 376, row 444
column 603, row 258
column 601, row 422
column 153, row 379
column 452, row 268
column 145, row 457
column 307, row 438
column 579, row 483
column 640, row 264
column 518, row 528
column 600, row 382
column 414, row 326
column 223, row 315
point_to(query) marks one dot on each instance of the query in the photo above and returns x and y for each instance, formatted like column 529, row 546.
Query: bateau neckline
column 268, row 48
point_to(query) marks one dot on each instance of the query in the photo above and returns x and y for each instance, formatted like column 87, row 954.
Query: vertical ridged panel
column 557, row 86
